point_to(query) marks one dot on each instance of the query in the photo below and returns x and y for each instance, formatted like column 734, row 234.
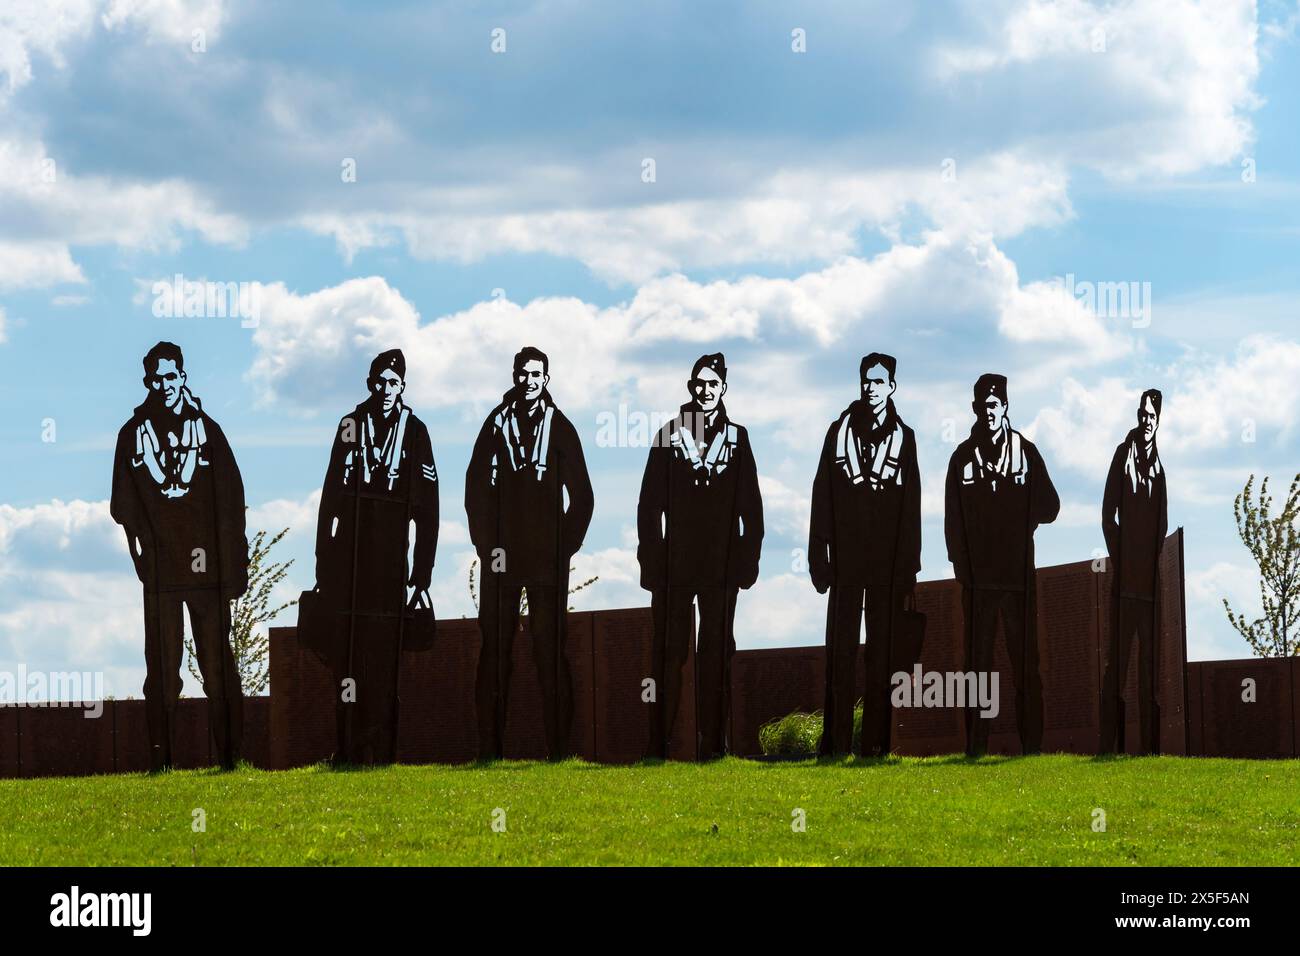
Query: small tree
column 523, row 595
column 249, row 642
column 1274, row 543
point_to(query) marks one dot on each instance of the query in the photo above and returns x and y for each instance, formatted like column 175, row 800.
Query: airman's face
column 708, row 388
column 387, row 388
column 531, row 378
column 877, row 388
column 1148, row 420
column 992, row 412
column 166, row 383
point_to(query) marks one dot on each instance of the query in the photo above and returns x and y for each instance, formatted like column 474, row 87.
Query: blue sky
column 915, row 182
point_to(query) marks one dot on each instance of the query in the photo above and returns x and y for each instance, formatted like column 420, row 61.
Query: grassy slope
column 941, row 811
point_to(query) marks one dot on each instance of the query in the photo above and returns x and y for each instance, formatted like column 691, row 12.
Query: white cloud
column 1216, row 401
column 35, row 265
column 1149, row 86
column 47, row 27
column 70, row 599
column 1209, row 637
column 781, row 610
column 785, row 510
column 1082, row 431
column 311, row 346
column 793, row 215
column 167, row 20
column 40, row 199
column 42, row 27
column 1209, row 403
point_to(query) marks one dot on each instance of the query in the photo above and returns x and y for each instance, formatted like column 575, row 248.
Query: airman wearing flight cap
column 998, row 492
column 381, row 479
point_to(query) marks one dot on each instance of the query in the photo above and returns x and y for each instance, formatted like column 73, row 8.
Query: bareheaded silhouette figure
column 864, row 545
column 178, row 495
column 700, row 530
column 997, row 493
column 381, row 480
column 1134, row 518
column 527, row 460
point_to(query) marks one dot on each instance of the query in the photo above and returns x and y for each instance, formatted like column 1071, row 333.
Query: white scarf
column 1134, row 471
column 886, row 462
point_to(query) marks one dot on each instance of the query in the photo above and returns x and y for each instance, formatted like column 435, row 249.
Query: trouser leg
column 717, row 616
column 672, row 610
column 164, row 645
column 981, row 628
column 1111, row 736
column 498, row 621
column 877, row 714
column 1138, row 618
column 825, row 746
column 546, row 620
column 842, row 668
column 343, row 707
column 375, row 663
column 210, row 619
column 1022, row 648
column 348, row 668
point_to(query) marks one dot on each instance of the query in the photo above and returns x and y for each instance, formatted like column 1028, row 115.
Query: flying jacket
column 865, row 525
column 992, row 508
column 183, row 500
column 519, row 471
column 1135, row 518
column 379, row 480
column 700, row 513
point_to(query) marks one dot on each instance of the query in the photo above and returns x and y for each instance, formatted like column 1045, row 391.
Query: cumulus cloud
column 42, row 27
column 792, row 215
column 781, row 610
column 166, row 20
column 1177, row 80
column 311, row 346
column 1171, row 93
column 1210, row 402
column 1208, row 635
column 36, row 265
column 785, row 510
column 70, row 599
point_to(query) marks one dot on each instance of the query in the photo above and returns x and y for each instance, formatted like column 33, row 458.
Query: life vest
column 387, row 460
column 172, row 465
column 1011, row 463
column 716, row 457
column 507, row 424
column 886, row 463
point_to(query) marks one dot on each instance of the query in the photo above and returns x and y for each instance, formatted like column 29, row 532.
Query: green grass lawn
column 939, row 811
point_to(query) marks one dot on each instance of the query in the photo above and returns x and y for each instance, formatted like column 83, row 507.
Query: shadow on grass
column 507, row 765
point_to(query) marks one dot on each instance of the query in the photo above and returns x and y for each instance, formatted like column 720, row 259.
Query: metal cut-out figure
column 529, row 502
column 700, row 531
column 381, row 484
column 178, row 495
column 997, row 493
column 1135, row 519
column 864, row 546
